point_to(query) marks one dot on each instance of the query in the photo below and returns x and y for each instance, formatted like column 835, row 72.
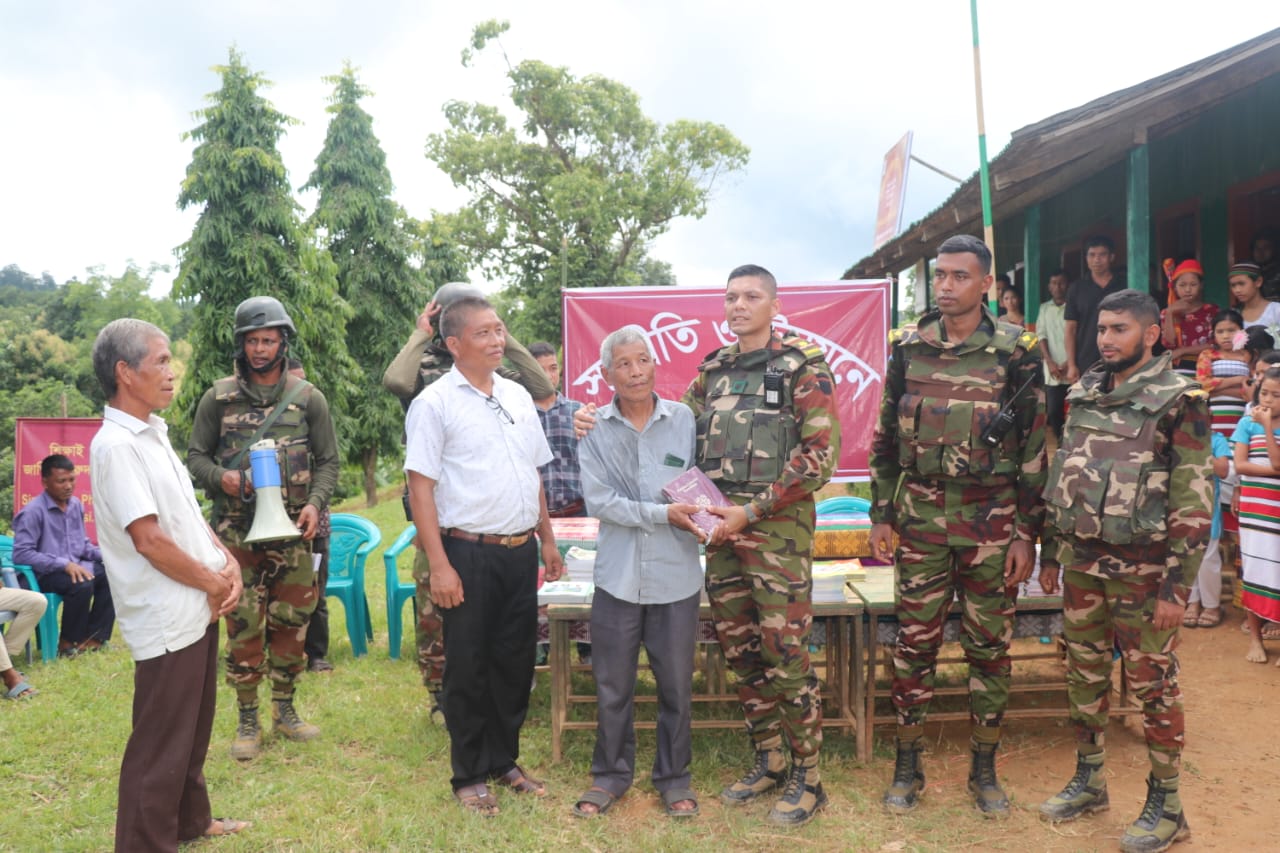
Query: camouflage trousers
column 1100, row 614
column 428, row 631
column 760, row 590
column 268, row 628
column 929, row 577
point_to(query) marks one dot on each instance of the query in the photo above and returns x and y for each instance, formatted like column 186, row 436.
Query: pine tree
column 368, row 239
column 249, row 241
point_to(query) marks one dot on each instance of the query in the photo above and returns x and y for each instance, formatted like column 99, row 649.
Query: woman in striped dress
column 1257, row 458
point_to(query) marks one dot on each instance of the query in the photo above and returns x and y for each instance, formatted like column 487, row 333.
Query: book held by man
column 695, row 487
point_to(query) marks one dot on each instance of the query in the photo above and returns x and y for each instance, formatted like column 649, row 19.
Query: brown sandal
column 477, row 799
column 1210, row 617
column 1191, row 618
column 520, row 782
column 225, row 826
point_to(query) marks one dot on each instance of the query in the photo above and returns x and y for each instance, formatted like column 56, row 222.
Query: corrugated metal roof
column 1047, row 157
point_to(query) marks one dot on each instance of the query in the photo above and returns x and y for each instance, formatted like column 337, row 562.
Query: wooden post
column 1138, row 218
column 1033, row 272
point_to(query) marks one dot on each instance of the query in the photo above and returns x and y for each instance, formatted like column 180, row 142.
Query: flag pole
column 984, row 177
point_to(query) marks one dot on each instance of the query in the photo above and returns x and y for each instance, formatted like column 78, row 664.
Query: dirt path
column 1231, row 766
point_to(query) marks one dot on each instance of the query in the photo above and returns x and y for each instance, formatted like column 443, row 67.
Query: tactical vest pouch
column 296, row 468
column 729, row 434
column 942, row 438
column 1116, row 501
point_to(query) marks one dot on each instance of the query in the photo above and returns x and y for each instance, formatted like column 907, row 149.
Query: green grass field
column 378, row 777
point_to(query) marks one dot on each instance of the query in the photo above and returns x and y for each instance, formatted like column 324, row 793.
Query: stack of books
column 577, row 586
column 831, row 578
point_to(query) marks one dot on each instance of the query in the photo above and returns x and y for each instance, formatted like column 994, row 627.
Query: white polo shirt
column 485, row 467
column 135, row 473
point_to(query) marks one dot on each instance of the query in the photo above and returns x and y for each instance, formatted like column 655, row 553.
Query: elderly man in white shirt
column 171, row 581
column 474, row 444
column 648, row 579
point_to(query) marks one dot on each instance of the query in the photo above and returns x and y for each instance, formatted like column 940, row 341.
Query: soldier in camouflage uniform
column 267, row 629
column 967, row 512
column 421, row 361
column 1129, row 514
column 769, row 438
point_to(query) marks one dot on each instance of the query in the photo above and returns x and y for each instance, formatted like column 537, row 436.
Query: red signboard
column 40, row 437
column 849, row 320
column 893, row 187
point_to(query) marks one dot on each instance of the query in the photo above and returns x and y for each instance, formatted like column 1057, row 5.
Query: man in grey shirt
column 647, row 576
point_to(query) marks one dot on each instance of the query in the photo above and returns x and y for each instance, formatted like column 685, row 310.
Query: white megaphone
column 271, row 521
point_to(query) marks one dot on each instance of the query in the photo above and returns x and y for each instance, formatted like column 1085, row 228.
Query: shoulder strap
column 291, row 393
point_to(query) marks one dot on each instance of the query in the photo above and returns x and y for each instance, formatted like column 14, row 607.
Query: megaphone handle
column 246, row 493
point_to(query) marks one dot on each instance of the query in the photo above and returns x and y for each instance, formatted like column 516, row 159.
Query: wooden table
column 1038, row 615
column 843, row 621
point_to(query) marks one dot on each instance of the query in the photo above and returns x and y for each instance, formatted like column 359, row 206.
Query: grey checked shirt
column 640, row 558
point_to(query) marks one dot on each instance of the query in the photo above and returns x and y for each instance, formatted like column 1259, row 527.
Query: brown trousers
column 163, row 799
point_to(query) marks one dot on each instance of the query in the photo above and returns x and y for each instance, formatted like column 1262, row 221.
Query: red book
column 695, row 487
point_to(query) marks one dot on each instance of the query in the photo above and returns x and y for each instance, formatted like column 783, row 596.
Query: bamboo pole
column 984, row 177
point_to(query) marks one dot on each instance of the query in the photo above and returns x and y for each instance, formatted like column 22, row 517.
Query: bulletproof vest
column 1110, row 478
column 240, row 420
column 948, row 400
column 436, row 361
column 745, row 439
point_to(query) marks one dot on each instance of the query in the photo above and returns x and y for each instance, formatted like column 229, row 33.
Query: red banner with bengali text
column 37, row 438
column 849, row 320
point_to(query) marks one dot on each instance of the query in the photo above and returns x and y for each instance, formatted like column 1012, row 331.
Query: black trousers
column 317, row 642
column 87, row 610
column 162, row 798
column 488, row 651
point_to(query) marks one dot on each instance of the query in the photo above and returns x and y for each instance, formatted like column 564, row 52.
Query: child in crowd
column 1245, row 282
column 1264, row 362
column 1187, row 324
column 1257, row 460
column 1222, row 370
column 1204, row 606
column 1011, row 302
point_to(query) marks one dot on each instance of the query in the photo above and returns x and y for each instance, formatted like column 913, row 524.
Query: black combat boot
column 983, row 784
column 908, row 772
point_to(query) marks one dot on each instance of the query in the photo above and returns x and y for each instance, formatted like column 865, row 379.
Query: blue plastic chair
column 10, row 579
column 844, row 504
column 398, row 592
column 47, row 629
column 351, row 540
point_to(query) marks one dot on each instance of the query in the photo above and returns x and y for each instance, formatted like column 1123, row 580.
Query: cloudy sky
column 96, row 98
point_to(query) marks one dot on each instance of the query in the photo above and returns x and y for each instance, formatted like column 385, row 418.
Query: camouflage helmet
column 450, row 293
column 263, row 312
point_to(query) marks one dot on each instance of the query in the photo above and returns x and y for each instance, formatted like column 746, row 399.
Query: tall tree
column 367, row 237
column 249, row 241
column 579, row 188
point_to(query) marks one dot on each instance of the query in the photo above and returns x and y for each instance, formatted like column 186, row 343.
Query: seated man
column 647, row 576
column 30, row 607
column 49, row 536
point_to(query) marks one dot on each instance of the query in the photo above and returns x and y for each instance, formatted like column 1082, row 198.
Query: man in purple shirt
column 49, row 536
